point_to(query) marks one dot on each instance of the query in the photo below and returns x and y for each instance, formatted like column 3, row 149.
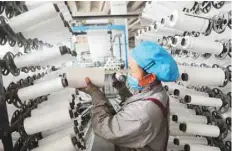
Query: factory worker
column 142, row 122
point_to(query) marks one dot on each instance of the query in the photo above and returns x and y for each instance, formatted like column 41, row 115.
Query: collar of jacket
column 146, row 92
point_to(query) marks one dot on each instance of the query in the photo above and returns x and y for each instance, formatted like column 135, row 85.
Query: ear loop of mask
column 148, row 79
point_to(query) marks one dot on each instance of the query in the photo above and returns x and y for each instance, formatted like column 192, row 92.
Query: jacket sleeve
column 124, row 129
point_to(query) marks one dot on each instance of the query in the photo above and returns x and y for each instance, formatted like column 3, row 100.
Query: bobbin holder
column 14, row 8
column 8, row 65
column 7, row 33
column 12, row 89
column 31, row 141
column 214, row 118
column 27, row 143
column 4, row 121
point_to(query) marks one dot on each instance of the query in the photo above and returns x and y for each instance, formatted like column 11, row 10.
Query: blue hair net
column 153, row 58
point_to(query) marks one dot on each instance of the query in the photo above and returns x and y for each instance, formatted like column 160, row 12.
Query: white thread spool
column 49, row 132
column 51, row 75
column 201, row 45
column 176, row 104
column 174, row 100
column 37, row 57
column 187, row 23
column 181, row 110
column 33, row 4
column 165, row 22
column 170, row 89
column 176, row 42
column 226, row 114
column 182, row 140
column 155, row 36
column 228, row 137
column 56, row 35
column 182, row 69
column 180, row 118
column 204, row 76
column 48, row 121
column 165, row 31
column 56, row 136
column 155, row 8
column 202, row 101
column 66, row 92
column 76, row 76
column 148, row 16
column 44, row 27
column 171, row 145
column 175, row 131
column 181, row 92
column 200, row 129
column 55, row 101
column 41, row 89
column 46, row 133
column 196, row 147
column 62, row 144
column 61, row 105
column 32, row 17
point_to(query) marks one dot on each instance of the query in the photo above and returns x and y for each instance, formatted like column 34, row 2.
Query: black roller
column 184, row 77
column 183, row 127
column 174, row 118
column 176, row 141
column 186, row 147
column 176, row 92
column 187, row 99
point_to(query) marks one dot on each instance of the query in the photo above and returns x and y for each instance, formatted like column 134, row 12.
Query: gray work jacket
column 139, row 126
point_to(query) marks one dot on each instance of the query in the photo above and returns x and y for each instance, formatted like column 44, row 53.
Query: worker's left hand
column 117, row 83
column 90, row 88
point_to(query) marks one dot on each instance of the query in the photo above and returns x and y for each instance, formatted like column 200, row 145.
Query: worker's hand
column 117, row 83
column 90, row 87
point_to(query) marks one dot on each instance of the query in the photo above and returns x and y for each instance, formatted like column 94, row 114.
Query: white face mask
column 133, row 82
